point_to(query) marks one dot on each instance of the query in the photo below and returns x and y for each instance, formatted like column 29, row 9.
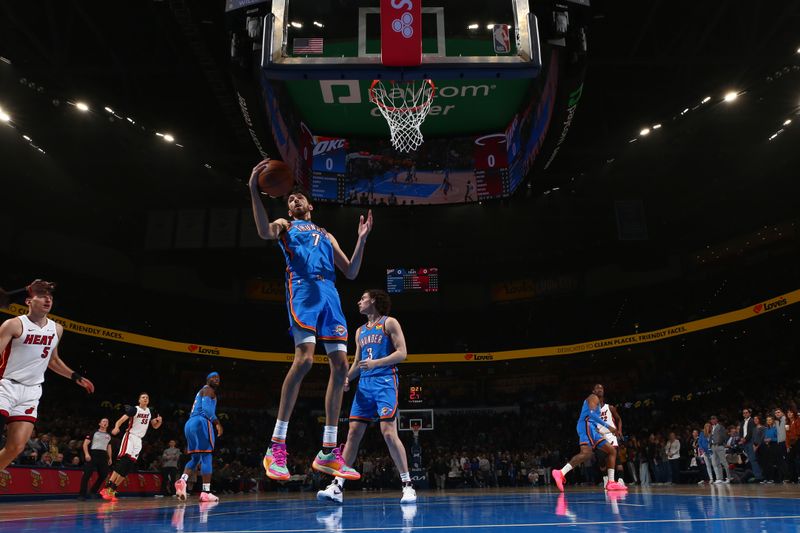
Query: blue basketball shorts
column 314, row 307
column 588, row 434
column 376, row 397
column 199, row 432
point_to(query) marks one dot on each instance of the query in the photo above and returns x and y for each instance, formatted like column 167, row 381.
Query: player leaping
column 200, row 438
column 315, row 313
column 589, row 439
column 28, row 347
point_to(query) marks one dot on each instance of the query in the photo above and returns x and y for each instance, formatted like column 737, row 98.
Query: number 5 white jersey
column 605, row 414
column 25, row 359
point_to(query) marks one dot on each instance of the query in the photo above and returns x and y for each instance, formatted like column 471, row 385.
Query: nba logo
column 502, row 43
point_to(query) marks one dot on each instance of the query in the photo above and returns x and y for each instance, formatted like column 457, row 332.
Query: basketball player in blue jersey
column 590, row 438
column 200, row 438
column 380, row 346
column 315, row 313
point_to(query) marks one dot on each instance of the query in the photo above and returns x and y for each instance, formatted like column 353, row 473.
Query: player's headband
column 40, row 287
column 211, row 375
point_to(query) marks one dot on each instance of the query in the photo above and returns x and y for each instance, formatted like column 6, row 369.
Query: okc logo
column 403, row 25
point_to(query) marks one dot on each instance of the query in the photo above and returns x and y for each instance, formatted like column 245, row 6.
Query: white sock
column 279, row 433
column 329, row 436
column 339, row 481
column 206, row 487
column 566, row 469
column 184, row 477
column 611, row 476
column 405, row 477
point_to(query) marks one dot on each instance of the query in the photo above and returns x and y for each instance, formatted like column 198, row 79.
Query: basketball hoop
column 404, row 105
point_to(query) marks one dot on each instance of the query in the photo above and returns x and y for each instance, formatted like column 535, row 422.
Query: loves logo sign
column 401, row 33
column 194, row 348
column 769, row 306
column 479, row 357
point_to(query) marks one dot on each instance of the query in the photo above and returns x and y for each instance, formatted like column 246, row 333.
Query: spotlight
column 296, row 25
column 4, row 117
column 705, row 100
column 108, row 109
column 26, row 137
column 731, row 96
column 319, row 24
column 490, row 26
column 169, row 138
column 787, row 122
column 657, row 126
column 645, row 131
column 473, row 26
column 82, row 107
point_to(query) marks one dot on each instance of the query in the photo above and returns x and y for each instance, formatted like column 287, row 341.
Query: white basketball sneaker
column 332, row 493
column 409, row 494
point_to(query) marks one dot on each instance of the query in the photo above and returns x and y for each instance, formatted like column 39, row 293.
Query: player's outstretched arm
column 122, row 420
column 395, row 332
column 266, row 230
column 60, row 367
column 351, row 266
column 156, row 422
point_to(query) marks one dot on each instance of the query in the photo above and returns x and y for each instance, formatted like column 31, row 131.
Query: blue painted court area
column 490, row 511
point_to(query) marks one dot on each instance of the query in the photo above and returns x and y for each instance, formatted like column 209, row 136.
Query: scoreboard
column 401, row 280
column 491, row 166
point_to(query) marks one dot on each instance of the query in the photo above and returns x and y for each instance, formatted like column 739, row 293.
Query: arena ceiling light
column 82, row 106
column 705, row 100
column 318, row 24
column 644, row 131
column 109, row 109
column 4, row 117
column 297, row 25
column 787, row 122
column 731, row 96
column 657, row 126
column 473, row 26
column 169, row 138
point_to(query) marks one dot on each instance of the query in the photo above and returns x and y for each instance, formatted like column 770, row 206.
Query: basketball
column 276, row 179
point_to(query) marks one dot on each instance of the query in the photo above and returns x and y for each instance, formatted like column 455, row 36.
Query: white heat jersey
column 138, row 423
column 25, row 359
column 605, row 414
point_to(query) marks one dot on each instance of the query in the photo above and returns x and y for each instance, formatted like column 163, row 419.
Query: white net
column 404, row 105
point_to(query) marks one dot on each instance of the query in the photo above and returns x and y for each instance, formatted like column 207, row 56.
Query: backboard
column 323, row 39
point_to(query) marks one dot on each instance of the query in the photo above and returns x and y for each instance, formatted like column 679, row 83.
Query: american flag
column 308, row 46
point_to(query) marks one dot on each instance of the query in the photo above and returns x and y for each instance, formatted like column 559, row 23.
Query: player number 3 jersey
column 25, row 359
column 375, row 343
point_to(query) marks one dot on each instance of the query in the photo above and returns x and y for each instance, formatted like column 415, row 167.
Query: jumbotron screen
column 400, row 280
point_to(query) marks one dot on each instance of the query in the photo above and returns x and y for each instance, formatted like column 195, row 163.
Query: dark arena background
column 604, row 192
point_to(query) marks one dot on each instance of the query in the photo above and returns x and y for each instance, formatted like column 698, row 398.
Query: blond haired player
column 28, row 347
